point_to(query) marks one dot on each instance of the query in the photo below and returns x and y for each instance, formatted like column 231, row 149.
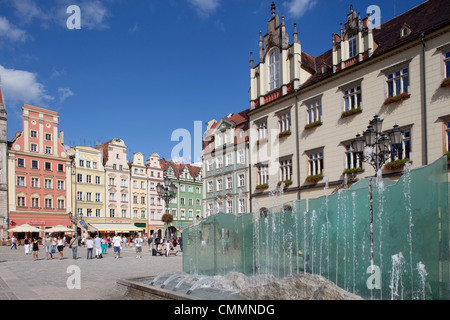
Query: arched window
column 274, row 70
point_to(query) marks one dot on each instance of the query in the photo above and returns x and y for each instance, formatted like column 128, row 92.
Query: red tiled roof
column 178, row 168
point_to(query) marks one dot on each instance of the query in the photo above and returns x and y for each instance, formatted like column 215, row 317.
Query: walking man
column 98, row 247
column 74, row 246
column 13, row 243
column 138, row 241
column 48, row 246
column 117, row 241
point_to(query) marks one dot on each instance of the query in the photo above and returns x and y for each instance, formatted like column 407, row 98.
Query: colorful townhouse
column 138, row 190
column 225, row 164
column 188, row 202
column 88, row 186
column 39, row 172
column 155, row 175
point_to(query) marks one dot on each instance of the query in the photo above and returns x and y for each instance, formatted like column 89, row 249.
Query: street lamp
column 167, row 192
column 375, row 147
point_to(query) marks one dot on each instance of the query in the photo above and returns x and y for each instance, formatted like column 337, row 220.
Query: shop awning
column 112, row 227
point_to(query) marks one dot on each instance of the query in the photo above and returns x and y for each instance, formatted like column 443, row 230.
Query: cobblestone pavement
column 22, row 278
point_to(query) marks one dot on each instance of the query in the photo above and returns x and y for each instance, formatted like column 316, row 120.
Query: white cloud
column 65, row 93
column 205, row 7
column 20, row 87
column 11, row 32
column 27, row 10
column 93, row 15
column 297, row 8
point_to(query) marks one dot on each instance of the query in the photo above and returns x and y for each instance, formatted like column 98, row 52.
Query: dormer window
column 274, row 70
column 405, row 31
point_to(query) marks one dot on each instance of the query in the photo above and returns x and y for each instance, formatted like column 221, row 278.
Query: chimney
column 61, row 137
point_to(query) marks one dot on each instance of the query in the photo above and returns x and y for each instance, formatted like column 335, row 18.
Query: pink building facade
column 39, row 172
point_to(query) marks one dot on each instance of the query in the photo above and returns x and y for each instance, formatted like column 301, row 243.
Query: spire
column 2, row 103
column 295, row 33
column 251, row 60
column 273, row 8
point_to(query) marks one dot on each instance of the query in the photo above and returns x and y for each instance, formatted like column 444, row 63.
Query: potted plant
column 398, row 98
column 167, row 218
column 262, row 187
column 313, row 125
column 314, row 178
column 287, row 183
column 284, row 133
column 397, row 164
column 353, row 171
column 351, row 112
column 445, row 83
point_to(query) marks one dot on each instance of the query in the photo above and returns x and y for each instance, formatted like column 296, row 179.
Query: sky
column 147, row 70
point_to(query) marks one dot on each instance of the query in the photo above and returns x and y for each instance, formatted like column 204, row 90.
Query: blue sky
column 140, row 69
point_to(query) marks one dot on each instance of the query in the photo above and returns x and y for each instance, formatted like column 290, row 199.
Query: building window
column 111, row 196
column 191, row 213
column 241, row 180
column 314, row 112
column 97, row 212
column 60, row 167
column 35, row 182
column 315, row 163
column 81, row 163
column 210, row 186
column 219, row 162
column 352, row 98
column 60, row 185
column 182, row 201
column 88, row 178
column 48, row 184
column 48, row 137
column 219, row 184
column 123, row 183
column 191, row 201
column 263, row 175
column 20, row 181
column 48, row 203
column 229, row 208
column 48, row 166
column 20, row 163
column 142, row 200
column 197, row 190
column 88, row 164
column 229, row 182
column 97, row 180
column 142, row 185
column 352, row 159
column 241, row 156
column 21, row 201
column 182, row 188
column 124, row 213
column 398, row 82
column 242, row 208
column 229, row 159
column 34, row 164
column 48, row 150
column 352, row 50
column 79, row 177
column 33, row 134
column 35, row 202
column 94, row 165
column 262, row 130
column 208, row 165
column 88, row 196
column 33, row 147
column 404, row 150
column 79, row 196
column 199, row 203
column 142, row 214
column 447, row 64
column 61, row 204
column 135, row 214
column 210, row 209
column 98, row 197
column 274, row 70
column 286, row 170
column 284, row 121
column 112, row 213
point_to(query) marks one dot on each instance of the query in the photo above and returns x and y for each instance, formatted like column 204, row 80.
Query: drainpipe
column 424, row 105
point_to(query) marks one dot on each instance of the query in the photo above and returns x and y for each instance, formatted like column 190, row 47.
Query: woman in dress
column 35, row 249
column 26, row 244
column 60, row 246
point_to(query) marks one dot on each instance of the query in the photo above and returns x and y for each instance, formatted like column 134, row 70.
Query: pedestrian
column 168, row 245
column 104, row 245
column 60, row 245
column 74, row 245
column 48, row 246
column 98, row 247
column 150, row 239
column 117, row 240
column 13, row 242
column 124, row 242
column 180, row 241
column 138, row 241
column 35, row 249
column 26, row 244
column 54, row 242
column 90, row 247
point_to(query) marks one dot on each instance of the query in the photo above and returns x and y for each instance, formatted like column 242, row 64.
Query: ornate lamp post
column 375, row 147
column 167, row 192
